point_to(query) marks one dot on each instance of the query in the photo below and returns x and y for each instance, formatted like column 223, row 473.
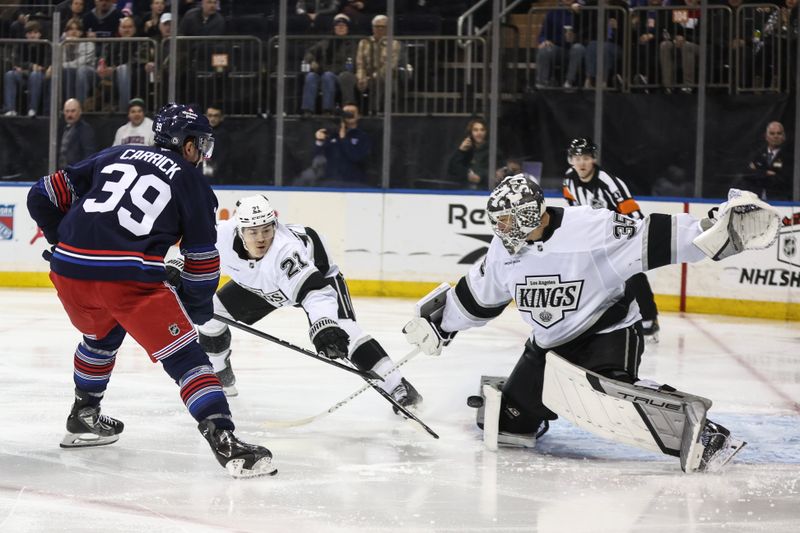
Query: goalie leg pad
column 661, row 420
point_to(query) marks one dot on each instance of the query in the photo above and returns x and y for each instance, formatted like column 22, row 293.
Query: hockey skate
column 495, row 436
column 240, row 459
column 87, row 427
column 227, row 378
column 718, row 447
column 650, row 329
column 406, row 395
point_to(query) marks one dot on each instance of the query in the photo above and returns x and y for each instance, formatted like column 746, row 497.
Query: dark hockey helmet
column 582, row 146
column 174, row 123
column 515, row 209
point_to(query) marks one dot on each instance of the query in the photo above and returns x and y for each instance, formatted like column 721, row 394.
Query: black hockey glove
column 174, row 269
column 329, row 339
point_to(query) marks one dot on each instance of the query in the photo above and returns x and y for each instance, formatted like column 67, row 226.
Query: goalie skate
column 489, row 400
column 87, row 427
column 240, row 459
column 719, row 447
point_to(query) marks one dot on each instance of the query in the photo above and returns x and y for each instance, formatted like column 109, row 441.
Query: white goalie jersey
column 287, row 275
column 565, row 282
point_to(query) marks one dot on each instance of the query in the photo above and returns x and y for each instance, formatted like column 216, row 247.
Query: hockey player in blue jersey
column 111, row 219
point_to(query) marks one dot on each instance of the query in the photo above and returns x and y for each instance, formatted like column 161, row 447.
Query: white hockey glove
column 744, row 222
column 429, row 337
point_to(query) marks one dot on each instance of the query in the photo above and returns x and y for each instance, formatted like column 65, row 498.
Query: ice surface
column 362, row 468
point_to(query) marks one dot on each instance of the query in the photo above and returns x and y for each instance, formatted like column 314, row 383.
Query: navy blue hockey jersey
column 114, row 215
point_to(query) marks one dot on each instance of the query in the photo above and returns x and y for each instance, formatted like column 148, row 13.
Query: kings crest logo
column 547, row 298
column 6, row 222
column 788, row 240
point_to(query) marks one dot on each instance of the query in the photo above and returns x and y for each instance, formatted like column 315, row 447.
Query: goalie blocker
column 661, row 420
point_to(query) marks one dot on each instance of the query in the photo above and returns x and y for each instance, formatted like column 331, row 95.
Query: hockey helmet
column 582, row 146
column 515, row 209
column 254, row 211
column 174, row 123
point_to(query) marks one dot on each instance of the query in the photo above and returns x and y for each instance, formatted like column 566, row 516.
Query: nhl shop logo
column 547, row 298
column 788, row 240
column 6, row 222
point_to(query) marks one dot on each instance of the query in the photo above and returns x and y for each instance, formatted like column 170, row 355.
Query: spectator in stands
column 138, row 129
column 71, row 9
column 683, row 41
column 78, row 63
column 335, row 58
column 124, row 61
column 355, row 10
column 371, row 61
column 346, row 150
column 557, row 40
column 772, row 167
column 152, row 20
column 27, row 69
column 159, row 71
column 612, row 45
column 103, row 20
column 650, row 28
column 77, row 139
column 324, row 9
column 202, row 21
column 217, row 169
column 780, row 41
column 469, row 165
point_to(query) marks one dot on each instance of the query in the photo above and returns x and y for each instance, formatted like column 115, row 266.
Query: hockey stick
column 406, row 412
column 337, row 405
column 366, row 374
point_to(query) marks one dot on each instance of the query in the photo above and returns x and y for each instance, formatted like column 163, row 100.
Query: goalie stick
column 366, row 374
column 335, row 407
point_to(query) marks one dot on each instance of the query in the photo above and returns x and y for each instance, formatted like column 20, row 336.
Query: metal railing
column 432, row 76
column 220, row 70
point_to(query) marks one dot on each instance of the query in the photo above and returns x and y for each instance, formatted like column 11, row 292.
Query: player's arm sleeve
column 476, row 299
column 53, row 195
column 200, row 276
column 637, row 246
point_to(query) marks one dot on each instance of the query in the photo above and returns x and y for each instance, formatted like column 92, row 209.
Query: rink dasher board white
column 402, row 244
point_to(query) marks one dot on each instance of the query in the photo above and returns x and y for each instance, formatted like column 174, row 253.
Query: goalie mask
column 255, row 221
column 515, row 209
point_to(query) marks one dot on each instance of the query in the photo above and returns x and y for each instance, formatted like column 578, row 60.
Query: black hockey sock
column 367, row 355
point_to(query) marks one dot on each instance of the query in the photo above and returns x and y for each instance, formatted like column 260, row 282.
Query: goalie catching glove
column 742, row 223
column 425, row 330
column 329, row 339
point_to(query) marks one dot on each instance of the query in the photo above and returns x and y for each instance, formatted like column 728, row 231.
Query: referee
column 587, row 184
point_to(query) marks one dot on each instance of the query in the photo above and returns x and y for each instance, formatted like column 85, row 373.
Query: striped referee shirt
column 603, row 191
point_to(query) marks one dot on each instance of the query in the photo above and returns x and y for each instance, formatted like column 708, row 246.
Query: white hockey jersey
column 287, row 274
column 564, row 283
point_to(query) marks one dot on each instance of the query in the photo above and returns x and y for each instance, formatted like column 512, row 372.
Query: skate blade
column 262, row 467
column 724, row 456
column 85, row 440
column 230, row 391
column 514, row 440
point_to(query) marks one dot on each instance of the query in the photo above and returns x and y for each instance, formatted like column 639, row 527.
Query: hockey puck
column 475, row 401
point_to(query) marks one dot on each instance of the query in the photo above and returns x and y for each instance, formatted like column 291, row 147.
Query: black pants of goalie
column 616, row 355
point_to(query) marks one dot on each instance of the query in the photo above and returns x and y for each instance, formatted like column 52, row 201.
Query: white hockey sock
column 218, row 360
column 391, row 381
